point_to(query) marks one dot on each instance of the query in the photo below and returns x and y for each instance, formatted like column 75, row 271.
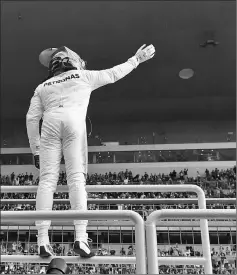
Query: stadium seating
column 216, row 184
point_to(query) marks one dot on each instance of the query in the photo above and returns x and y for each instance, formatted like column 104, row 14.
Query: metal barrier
column 115, row 188
column 132, row 201
column 119, row 189
column 135, row 188
column 151, row 237
column 71, row 260
column 83, row 215
column 132, row 188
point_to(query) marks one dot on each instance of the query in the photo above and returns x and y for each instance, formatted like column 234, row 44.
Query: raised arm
column 33, row 117
column 100, row 78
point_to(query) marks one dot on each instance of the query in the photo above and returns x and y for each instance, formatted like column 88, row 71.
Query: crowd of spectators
column 143, row 210
column 20, row 248
column 221, row 177
column 115, row 269
column 220, row 260
column 217, row 183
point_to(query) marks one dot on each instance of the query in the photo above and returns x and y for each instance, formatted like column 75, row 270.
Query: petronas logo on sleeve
column 62, row 80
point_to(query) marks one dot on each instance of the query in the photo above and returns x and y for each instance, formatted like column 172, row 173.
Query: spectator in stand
column 198, row 176
column 31, row 177
column 186, row 174
column 12, row 177
column 122, row 252
column 126, row 173
column 14, row 245
column 146, row 176
column 26, row 177
column 131, row 251
column 181, row 175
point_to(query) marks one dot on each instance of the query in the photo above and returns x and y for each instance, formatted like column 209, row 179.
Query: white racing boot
column 45, row 250
column 44, row 247
column 82, row 248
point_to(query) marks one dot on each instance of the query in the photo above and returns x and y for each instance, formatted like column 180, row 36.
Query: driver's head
column 73, row 58
column 59, row 60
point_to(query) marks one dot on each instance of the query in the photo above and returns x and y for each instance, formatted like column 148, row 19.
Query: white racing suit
column 62, row 101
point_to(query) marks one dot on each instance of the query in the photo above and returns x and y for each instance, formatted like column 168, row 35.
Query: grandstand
column 175, row 237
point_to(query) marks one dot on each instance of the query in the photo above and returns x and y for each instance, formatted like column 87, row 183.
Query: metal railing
column 140, row 259
column 129, row 188
column 152, row 261
column 151, row 238
column 133, row 188
column 119, row 189
column 72, row 260
column 131, row 201
column 114, row 188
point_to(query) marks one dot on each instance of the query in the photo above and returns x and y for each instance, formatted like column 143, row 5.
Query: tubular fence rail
column 140, row 259
column 149, row 247
column 133, row 201
column 151, row 242
column 112, row 188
